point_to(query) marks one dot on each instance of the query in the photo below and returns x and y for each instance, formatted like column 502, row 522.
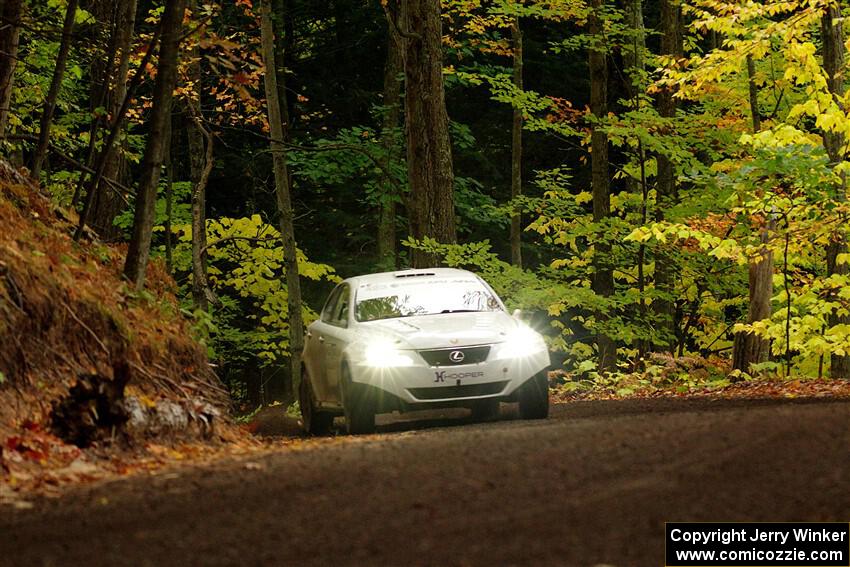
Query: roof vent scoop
column 413, row 274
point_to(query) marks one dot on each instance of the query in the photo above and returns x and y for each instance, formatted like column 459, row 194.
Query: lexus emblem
column 456, row 356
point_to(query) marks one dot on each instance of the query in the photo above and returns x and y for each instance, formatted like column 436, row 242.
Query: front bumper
column 425, row 385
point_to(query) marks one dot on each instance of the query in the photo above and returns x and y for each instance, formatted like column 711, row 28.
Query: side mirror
column 517, row 314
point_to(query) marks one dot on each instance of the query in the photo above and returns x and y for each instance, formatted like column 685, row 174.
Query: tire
column 485, row 410
column 534, row 397
column 358, row 405
column 315, row 422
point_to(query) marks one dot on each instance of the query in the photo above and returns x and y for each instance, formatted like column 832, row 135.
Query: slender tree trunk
column 11, row 12
column 387, row 253
column 200, row 164
column 633, row 60
column 667, row 192
column 633, row 55
column 166, row 79
column 53, row 92
column 749, row 348
column 516, row 149
column 833, row 62
column 754, row 93
column 603, row 274
column 118, row 121
column 429, row 153
column 346, row 39
column 284, row 200
column 280, row 17
column 169, row 193
column 202, row 293
column 101, row 71
column 107, row 205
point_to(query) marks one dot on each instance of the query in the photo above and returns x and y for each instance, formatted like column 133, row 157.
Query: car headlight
column 521, row 343
column 384, row 354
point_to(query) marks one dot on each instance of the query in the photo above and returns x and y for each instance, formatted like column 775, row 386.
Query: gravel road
column 592, row 485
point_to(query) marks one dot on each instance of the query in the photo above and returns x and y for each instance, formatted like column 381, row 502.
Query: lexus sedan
column 418, row 339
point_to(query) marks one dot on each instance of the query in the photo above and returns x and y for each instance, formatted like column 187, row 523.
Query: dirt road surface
column 592, row 485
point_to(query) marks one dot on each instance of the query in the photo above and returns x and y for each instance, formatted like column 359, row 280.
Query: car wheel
column 315, row 422
column 485, row 410
column 534, row 397
column 358, row 405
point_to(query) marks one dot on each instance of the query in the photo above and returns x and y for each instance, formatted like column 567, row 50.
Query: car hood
column 445, row 330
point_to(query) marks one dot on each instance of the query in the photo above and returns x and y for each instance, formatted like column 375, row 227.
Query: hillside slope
column 85, row 361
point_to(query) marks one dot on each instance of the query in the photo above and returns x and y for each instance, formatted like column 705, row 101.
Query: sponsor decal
column 443, row 375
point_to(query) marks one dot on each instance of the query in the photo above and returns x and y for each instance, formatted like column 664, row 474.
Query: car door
column 315, row 347
column 337, row 336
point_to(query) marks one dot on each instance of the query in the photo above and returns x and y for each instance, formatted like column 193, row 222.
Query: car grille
column 447, row 392
column 443, row 356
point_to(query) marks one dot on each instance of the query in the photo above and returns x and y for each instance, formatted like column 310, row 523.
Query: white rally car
column 418, row 339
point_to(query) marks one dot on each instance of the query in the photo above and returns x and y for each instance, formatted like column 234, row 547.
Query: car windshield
column 388, row 300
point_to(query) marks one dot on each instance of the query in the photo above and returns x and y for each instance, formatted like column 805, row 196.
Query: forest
column 645, row 179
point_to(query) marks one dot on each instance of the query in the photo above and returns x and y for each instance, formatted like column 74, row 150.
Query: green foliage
column 246, row 273
column 740, row 195
column 181, row 208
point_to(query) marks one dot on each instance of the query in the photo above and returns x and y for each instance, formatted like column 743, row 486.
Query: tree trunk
column 749, row 348
column 9, row 36
column 284, row 200
column 633, row 60
column 200, row 164
column 387, row 253
column 281, row 21
column 166, row 79
column 429, row 154
column 603, row 274
column 633, row 55
column 667, row 192
column 169, row 194
column 107, row 205
column 754, row 93
column 202, row 294
column 118, row 121
column 101, row 72
column 516, row 149
column 53, row 92
column 833, row 62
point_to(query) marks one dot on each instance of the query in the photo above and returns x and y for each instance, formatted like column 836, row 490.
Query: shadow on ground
column 274, row 421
